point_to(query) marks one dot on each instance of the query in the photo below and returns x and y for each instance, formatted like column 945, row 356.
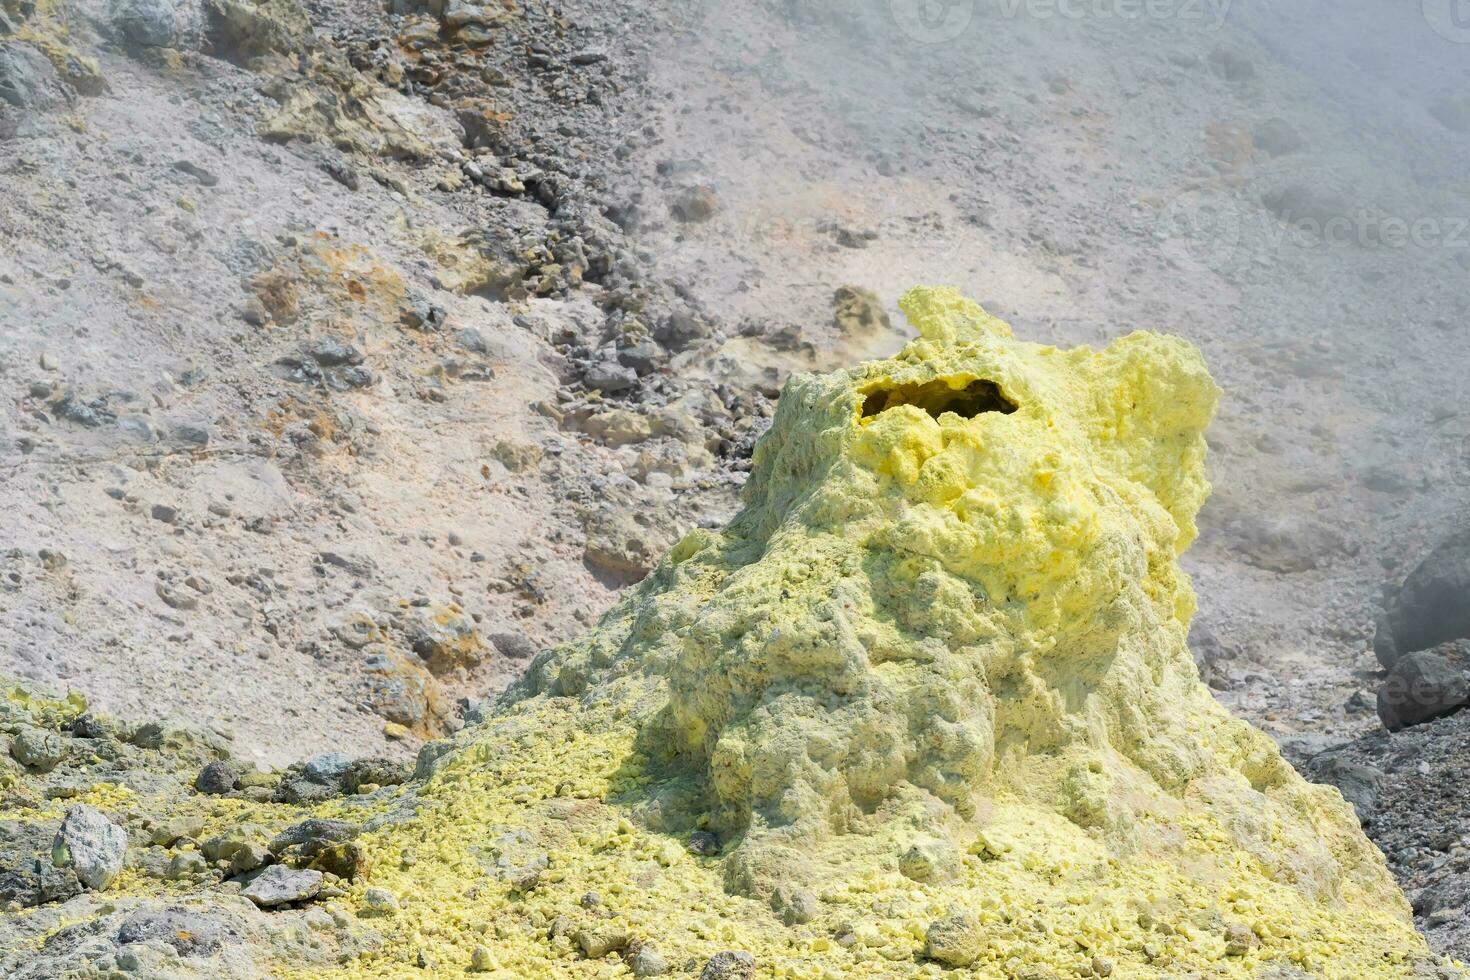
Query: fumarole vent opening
column 939, row 396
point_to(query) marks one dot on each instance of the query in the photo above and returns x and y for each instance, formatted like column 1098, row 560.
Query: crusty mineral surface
column 924, row 708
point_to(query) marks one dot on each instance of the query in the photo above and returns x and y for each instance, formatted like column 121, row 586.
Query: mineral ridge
column 924, row 708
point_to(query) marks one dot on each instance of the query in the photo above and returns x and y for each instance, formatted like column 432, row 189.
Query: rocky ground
column 350, row 354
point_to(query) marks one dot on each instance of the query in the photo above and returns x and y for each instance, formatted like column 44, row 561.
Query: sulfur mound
column 934, row 673
column 924, row 708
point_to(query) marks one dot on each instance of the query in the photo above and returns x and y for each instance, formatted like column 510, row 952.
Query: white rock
column 280, row 885
column 91, row 845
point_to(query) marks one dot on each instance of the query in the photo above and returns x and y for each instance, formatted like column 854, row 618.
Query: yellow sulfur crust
column 936, row 668
column 931, row 695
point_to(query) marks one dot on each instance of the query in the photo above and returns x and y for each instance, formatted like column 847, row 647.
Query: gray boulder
column 27, row 78
column 38, row 748
column 216, row 779
column 1359, row 784
column 1433, row 607
column 27, row 876
column 732, row 964
column 313, row 836
column 280, row 885
column 327, row 767
column 1276, row 136
column 1421, row 687
column 147, row 23
column 648, row 962
column 513, row 644
column 91, row 845
column 609, row 377
column 188, row 932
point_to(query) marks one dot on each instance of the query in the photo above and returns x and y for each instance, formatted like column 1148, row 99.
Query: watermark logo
column 932, row 21
column 1209, row 229
column 1206, row 229
column 1450, row 19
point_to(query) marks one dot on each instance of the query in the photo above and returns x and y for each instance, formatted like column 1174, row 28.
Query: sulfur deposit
column 924, row 708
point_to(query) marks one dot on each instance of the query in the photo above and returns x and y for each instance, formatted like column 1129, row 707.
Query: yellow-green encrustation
column 928, row 694
column 925, row 708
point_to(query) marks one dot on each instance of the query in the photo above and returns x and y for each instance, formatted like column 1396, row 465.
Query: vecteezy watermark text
column 1210, row 14
column 942, row 21
column 1215, row 228
column 1367, row 229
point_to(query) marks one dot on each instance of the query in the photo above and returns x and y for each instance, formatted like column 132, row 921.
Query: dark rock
column 1358, row 783
column 173, row 598
column 327, row 767
column 360, row 565
column 36, row 882
column 344, row 173
column 1311, row 208
column 189, row 933
column 27, row 876
column 280, row 885
column 216, row 779
column 1207, row 649
column 1232, row 65
column 1276, row 137
column 610, row 378
column 1420, row 687
column 1432, row 607
column 243, row 31
column 146, row 23
column 87, row 726
column 27, row 78
column 679, row 330
column 471, row 340
column 345, row 859
column 1452, row 892
column 513, row 645
column 298, row 790
column 309, row 837
column 92, row 415
column 319, row 778
column 641, row 357
column 334, row 353
column 204, row 177
column 704, row 843
column 695, row 205
column 164, row 513
column 1385, row 647
column 354, row 377
column 191, row 433
column 375, row 772
column 729, row 965
column 417, row 313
